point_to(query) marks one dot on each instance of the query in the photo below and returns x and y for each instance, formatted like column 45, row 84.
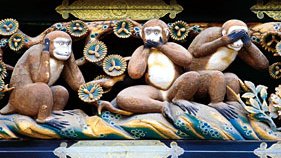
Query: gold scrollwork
column 272, row 8
column 118, row 9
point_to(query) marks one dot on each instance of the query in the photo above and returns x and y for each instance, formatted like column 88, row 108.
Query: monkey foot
column 53, row 122
column 167, row 112
column 237, row 106
column 226, row 110
column 186, row 106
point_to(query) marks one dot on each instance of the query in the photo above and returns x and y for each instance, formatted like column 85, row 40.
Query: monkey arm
column 252, row 55
column 40, row 67
column 138, row 62
column 208, row 41
column 208, row 48
column 177, row 53
column 72, row 74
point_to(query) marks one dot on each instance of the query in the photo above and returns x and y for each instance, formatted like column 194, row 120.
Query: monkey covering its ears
column 36, row 72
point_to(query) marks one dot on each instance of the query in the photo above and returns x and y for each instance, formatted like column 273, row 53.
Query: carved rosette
column 123, row 29
column 275, row 70
column 77, row 28
column 114, row 65
column 2, row 84
column 95, row 51
column 8, row 27
column 270, row 41
column 179, row 30
column 16, row 42
column 3, row 70
column 90, row 92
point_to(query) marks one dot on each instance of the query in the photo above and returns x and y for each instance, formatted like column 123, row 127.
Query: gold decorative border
column 118, row 9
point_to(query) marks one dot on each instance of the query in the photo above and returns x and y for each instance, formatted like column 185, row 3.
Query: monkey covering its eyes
column 213, row 50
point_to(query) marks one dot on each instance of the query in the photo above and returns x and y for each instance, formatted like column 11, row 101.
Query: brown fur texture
column 186, row 87
column 32, row 95
column 149, row 98
column 210, row 40
column 156, row 22
column 233, row 22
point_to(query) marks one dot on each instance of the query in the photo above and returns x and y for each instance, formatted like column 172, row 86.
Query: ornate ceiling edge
column 118, row 9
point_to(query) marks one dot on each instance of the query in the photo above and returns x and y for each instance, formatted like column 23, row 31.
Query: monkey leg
column 60, row 97
column 216, row 86
column 184, row 86
column 34, row 99
column 141, row 99
column 214, row 82
column 232, row 81
column 183, row 90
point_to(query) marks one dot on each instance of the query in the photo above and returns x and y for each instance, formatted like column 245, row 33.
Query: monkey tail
column 107, row 105
column 8, row 109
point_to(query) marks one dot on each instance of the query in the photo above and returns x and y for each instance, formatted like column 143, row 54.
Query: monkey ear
column 223, row 32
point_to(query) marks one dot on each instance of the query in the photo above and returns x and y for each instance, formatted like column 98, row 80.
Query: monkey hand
column 186, row 106
column 226, row 110
column 46, row 44
column 236, row 35
column 57, row 124
column 150, row 44
column 246, row 39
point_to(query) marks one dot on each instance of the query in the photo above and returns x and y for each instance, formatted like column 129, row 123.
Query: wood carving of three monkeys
column 174, row 75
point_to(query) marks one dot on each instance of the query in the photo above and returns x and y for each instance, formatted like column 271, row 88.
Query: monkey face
column 153, row 33
column 237, row 45
column 61, row 48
